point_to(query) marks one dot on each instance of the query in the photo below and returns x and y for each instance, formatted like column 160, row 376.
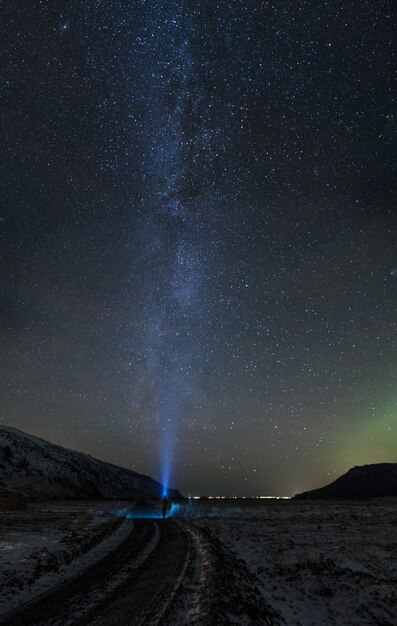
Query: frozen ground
column 245, row 562
column 316, row 563
column 45, row 545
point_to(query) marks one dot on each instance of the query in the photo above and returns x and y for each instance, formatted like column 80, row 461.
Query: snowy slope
column 39, row 469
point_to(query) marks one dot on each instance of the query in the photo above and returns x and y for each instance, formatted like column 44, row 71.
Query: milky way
column 173, row 246
column 198, row 236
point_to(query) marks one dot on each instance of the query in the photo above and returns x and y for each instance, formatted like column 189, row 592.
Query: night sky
column 198, row 236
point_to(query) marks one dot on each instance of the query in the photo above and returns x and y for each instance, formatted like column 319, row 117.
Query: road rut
column 134, row 584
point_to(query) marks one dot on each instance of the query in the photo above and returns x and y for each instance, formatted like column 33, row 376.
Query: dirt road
column 164, row 573
column 131, row 585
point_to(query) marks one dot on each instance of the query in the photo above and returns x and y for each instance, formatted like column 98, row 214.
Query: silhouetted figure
column 165, row 504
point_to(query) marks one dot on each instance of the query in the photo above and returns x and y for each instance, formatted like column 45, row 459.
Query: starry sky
column 198, row 261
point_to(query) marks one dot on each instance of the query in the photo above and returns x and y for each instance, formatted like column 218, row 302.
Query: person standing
column 165, row 505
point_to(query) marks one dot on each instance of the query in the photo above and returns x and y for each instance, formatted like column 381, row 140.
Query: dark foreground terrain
column 218, row 562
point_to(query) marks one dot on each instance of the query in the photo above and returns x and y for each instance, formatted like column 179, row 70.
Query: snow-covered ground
column 297, row 563
column 316, row 563
column 41, row 547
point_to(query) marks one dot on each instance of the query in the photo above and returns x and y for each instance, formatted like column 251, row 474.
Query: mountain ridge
column 376, row 480
column 36, row 468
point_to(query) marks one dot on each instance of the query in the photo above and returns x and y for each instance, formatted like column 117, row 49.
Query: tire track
column 165, row 573
column 152, row 589
column 66, row 603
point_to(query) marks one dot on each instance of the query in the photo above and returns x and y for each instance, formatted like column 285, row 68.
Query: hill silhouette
column 37, row 469
column 363, row 481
